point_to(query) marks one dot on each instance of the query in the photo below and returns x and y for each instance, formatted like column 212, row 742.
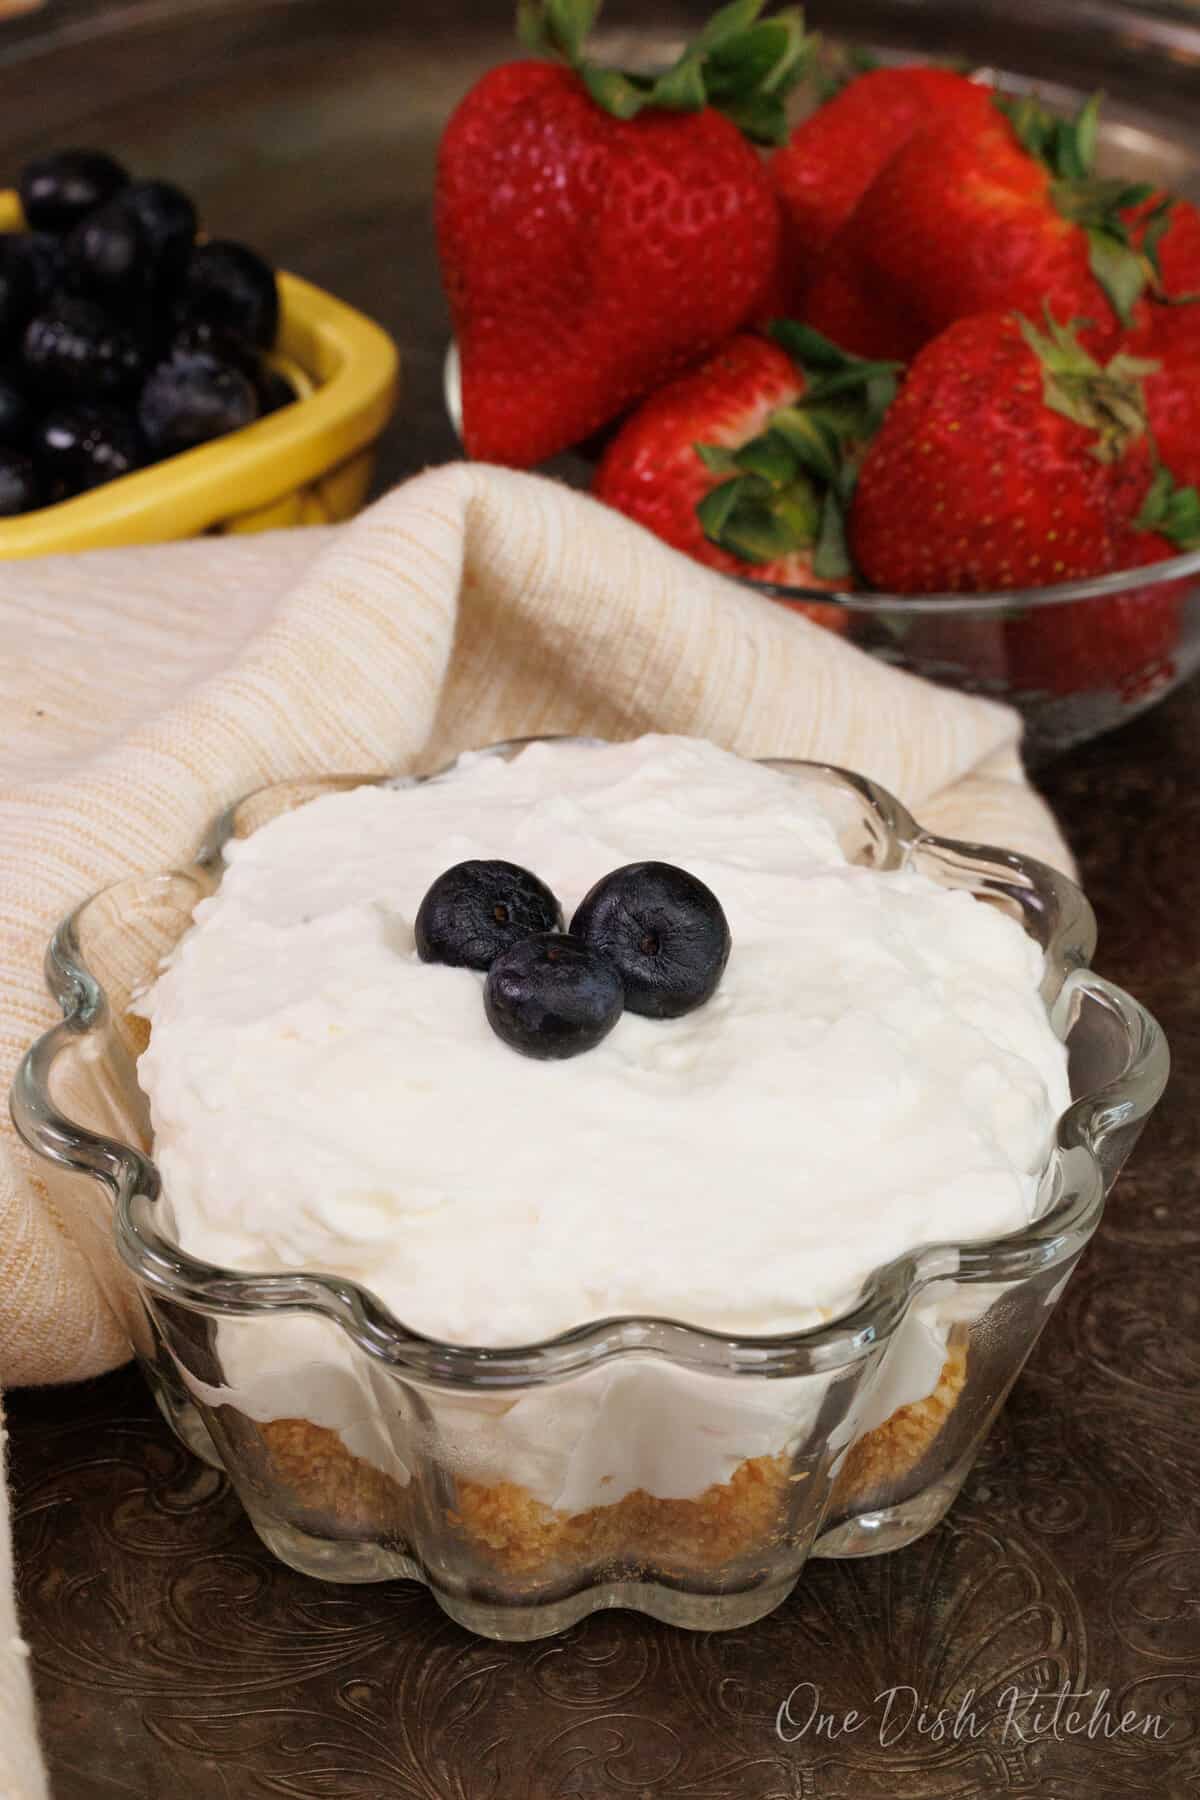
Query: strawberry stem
column 1106, row 400
column 743, row 65
column 789, row 487
column 1124, row 268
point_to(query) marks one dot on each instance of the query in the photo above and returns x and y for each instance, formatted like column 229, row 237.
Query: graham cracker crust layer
column 520, row 1535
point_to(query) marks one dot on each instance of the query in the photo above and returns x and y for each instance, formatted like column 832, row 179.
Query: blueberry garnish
column 478, row 910
column 664, row 932
column 552, row 996
column 58, row 190
column 192, row 398
column 232, row 287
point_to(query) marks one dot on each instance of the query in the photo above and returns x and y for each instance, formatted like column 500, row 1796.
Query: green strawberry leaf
column 618, row 94
column 757, row 521
column 769, row 457
column 1067, row 147
column 1172, row 511
column 729, row 22
column 556, row 27
column 717, row 506
column 812, row 441
column 762, row 118
column 831, row 557
column 808, row 347
column 798, row 475
column 682, row 88
column 1120, row 270
column 1077, row 145
column 1155, row 226
column 717, row 460
column 742, row 64
column 1105, row 400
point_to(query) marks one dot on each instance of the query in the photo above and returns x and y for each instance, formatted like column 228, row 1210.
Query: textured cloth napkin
column 142, row 690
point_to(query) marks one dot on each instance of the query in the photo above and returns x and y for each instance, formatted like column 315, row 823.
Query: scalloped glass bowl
column 363, row 1451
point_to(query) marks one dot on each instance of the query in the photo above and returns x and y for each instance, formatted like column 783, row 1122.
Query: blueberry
column 478, row 910
column 47, row 261
column 60, row 189
column 18, row 290
column 167, row 220
column 275, row 391
column 16, row 414
column 663, row 931
column 108, row 258
column 76, row 351
column 19, row 488
column 552, row 996
column 201, row 337
column 81, row 447
column 193, row 398
column 232, row 287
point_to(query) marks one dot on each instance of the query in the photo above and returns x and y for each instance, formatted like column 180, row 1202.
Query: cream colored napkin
column 142, row 690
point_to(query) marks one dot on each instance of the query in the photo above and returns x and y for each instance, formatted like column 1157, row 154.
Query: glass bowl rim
column 996, row 603
column 1074, row 1168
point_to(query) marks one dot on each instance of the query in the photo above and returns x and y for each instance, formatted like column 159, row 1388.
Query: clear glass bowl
column 1075, row 660
column 734, row 1458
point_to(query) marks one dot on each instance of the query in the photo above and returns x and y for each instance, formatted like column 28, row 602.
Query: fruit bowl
column 1075, row 660
column 308, row 464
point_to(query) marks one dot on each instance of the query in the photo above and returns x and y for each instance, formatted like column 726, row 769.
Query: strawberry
column 600, row 232
column 1010, row 459
column 1123, row 642
column 1167, row 319
column 833, row 156
column 1173, row 407
column 745, row 463
column 986, row 215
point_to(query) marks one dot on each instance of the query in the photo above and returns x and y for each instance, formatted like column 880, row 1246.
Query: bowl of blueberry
column 156, row 383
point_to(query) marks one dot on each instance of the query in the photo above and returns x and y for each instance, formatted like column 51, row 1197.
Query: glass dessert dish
column 363, row 1450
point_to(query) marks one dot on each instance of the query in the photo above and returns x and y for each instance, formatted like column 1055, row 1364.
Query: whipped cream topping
column 875, row 1072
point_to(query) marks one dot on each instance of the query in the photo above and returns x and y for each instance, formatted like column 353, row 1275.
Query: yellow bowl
column 308, row 464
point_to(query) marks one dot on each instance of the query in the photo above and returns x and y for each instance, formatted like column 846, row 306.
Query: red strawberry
column 1173, row 406
column 599, row 232
column 833, row 156
column 1124, row 642
column 1167, row 318
column 740, row 464
column 988, row 215
column 1010, row 459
